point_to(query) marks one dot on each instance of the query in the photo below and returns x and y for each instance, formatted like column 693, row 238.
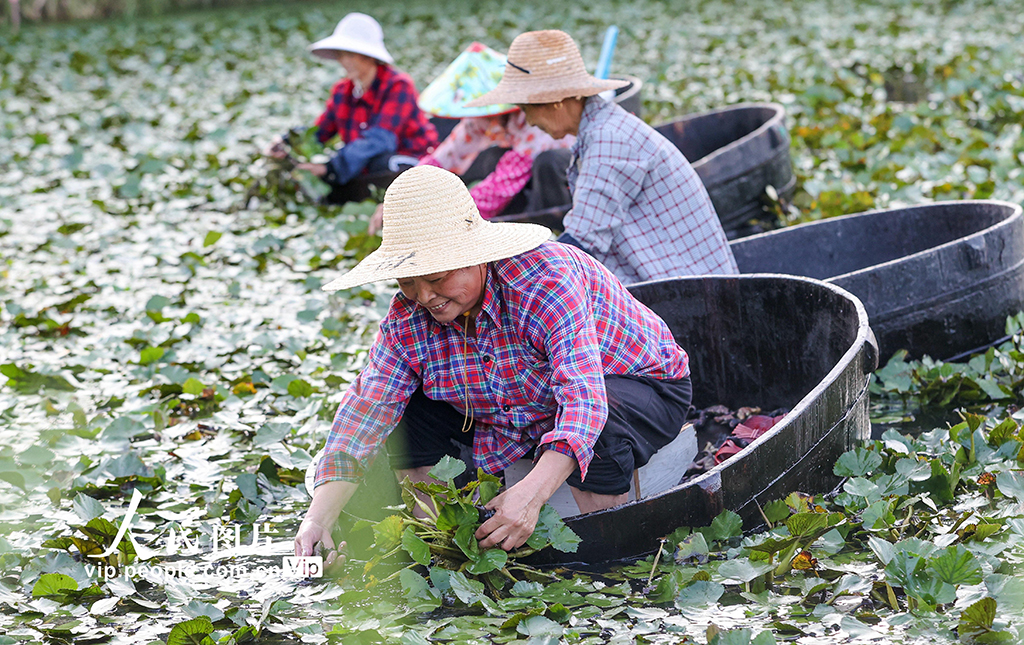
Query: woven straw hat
column 476, row 71
column 358, row 33
column 431, row 225
column 544, row 67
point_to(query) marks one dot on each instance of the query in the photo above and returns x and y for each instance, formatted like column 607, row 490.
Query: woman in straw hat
column 505, row 341
column 638, row 205
column 373, row 110
column 512, row 165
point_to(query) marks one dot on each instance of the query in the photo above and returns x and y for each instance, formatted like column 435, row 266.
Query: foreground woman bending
column 505, row 341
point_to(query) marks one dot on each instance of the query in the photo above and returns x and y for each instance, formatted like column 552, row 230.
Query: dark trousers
column 644, row 414
column 380, row 172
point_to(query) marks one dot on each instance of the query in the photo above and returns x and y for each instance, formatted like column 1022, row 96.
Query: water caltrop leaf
column 467, row 542
column 726, row 525
column 743, row 569
column 447, row 469
column 86, row 507
column 54, row 584
column 387, row 533
column 776, row 511
column 468, row 591
column 1011, row 484
column 211, row 238
column 192, row 632
column 957, row 566
column 857, row 463
column 489, row 560
column 193, row 386
column 415, row 546
column 699, row 594
column 151, row 355
column 300, row 388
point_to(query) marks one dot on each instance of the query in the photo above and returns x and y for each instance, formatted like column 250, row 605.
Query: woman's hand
column 328, row 500
column 311, row 534
column 515, row 516
column 276, row 149
column 376, row 221
column 317, row 169
column 517, row 509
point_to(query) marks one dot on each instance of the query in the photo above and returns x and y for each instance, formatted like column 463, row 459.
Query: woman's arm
column 509, row 176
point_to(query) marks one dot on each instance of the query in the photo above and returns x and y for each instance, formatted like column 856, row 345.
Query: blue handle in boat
column 604, row 63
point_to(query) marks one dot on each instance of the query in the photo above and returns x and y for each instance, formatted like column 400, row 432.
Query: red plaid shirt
column 389, row 103
column 553, row 323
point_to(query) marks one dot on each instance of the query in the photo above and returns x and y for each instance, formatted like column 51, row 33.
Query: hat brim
column 326, row 47
column 484, row 243
column 468, row 113
column 526, row 93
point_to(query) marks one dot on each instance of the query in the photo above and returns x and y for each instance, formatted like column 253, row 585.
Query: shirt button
column 362, row 126
column 487, row 359
column 506, row 408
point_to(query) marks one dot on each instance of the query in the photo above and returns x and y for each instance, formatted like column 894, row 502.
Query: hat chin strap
column 467, row 421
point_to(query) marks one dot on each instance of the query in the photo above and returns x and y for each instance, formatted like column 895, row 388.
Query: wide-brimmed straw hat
column 431, row 224
column 544, row 67
column 357, row 32
column 476, row 71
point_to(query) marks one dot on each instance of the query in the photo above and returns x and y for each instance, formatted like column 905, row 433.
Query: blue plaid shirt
column 638, row 205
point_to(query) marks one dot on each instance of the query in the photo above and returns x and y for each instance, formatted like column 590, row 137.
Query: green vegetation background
column 162, row 326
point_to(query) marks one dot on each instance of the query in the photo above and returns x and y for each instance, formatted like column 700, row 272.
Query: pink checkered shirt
column 638, row 205
column 553, row 323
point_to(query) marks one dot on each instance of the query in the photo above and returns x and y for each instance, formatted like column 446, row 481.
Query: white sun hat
column 431, row 224
column 357, row 32
column 544, row 67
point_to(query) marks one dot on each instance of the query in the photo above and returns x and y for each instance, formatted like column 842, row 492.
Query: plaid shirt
column 515, row 168
column 389, row 103
column 553, row 323
column 638, row 205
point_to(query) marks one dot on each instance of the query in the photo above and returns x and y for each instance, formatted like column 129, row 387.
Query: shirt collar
column 591, row 108
column 370, row 93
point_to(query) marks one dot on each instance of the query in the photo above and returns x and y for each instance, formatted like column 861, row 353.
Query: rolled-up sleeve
column 570, row 338
column 367, row 414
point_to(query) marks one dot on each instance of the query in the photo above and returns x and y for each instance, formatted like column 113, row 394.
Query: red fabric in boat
column 752, row 427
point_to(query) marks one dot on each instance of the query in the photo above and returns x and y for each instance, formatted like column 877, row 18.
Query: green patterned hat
column 476, row 71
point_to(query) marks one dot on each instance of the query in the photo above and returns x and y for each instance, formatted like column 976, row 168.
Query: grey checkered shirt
column 638, row 205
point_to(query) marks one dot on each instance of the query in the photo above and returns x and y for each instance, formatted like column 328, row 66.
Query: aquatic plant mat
column 166, row 353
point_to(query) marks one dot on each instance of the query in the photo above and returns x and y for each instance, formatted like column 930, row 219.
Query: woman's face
column 557, row 119
column 449, row 294
column 357, row 66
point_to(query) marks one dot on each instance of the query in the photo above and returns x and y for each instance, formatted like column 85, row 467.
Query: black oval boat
column 777, row 340
column 937, row 279
column 738, row 151
column 630, row 97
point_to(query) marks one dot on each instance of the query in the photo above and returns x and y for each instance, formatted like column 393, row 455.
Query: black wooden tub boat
column 776, row 341
column 937, row 279
column 738, row 151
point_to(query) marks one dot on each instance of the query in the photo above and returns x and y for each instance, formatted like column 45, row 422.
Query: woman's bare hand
column 376, row 221
column 516, row 512
column 317, row 169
